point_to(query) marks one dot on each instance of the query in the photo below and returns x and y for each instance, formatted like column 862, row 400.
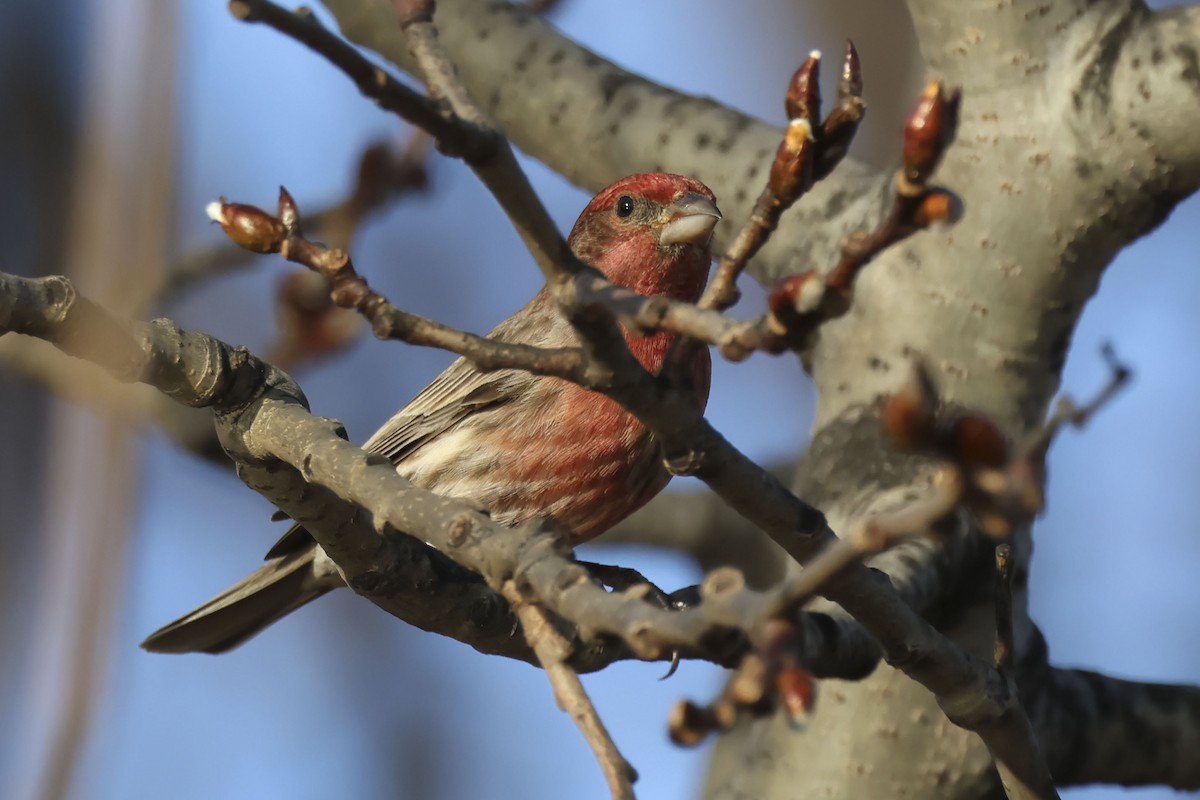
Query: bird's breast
column 569, row 454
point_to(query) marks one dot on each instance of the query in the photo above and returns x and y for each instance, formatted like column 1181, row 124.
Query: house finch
column 520, row 445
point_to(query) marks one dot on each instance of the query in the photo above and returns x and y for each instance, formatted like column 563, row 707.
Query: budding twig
column 767, row 679
column 928, row 133
column 308, row 323
column 381, row 177
column 1002, row 486
column 262, row 232
column 799, row 304
column 839, row 127
column 774, row 667
column 806, row 143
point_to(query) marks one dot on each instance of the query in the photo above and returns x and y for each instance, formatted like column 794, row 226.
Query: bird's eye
column 624, row 205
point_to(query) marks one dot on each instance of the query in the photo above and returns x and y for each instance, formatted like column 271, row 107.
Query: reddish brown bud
column 797, row 690
column 850, row 82
column 908, row 415
column 689, row 724
column 791, row 171
column 782, row 298
column 803, row 99
column 410, row 11
column 838, row 129
column 905, row 420
column 289, row 214
column 248, row 226
column 928, row 131
column 792, row 296
column 938, row 205
column 975, row 441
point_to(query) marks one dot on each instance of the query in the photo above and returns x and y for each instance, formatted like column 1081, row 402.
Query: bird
column 521, row 446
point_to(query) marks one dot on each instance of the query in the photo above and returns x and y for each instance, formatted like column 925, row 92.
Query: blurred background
column 124, row 118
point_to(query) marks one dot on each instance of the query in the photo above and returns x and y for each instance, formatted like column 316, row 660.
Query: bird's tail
column 243, row 610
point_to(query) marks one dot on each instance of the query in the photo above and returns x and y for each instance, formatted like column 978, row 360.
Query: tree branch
column 701, row 526
column 93, row 388
column 1096, row 728
column 1135, row 88
column 383, row 176
column 994, row 45
column 261, row 423
column 552, row 651
column 593, row 122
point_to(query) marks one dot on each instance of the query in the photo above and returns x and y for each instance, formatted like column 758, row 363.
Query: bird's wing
column 461, row 390
column 455, row 394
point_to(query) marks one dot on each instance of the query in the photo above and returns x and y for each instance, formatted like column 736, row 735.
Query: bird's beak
column 689, row 219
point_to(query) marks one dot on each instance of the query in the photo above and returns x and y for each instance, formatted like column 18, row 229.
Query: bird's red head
column 650, row 233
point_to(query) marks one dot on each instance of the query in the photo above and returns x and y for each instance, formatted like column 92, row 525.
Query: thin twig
column 873, row 535
column 1004, row 648
column 776, row 661
column 1067, row 412
column 372, row 81
column 257, row 230
column 1004, row 484
column 381, row 177
column 808, row 145
column 552, row 651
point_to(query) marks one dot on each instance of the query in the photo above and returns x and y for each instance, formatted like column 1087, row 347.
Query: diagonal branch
column 1152, row 116
column 552, row 652
column 92, row 388
column 591, row 121
column 956, row 45
column 1098, row 728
